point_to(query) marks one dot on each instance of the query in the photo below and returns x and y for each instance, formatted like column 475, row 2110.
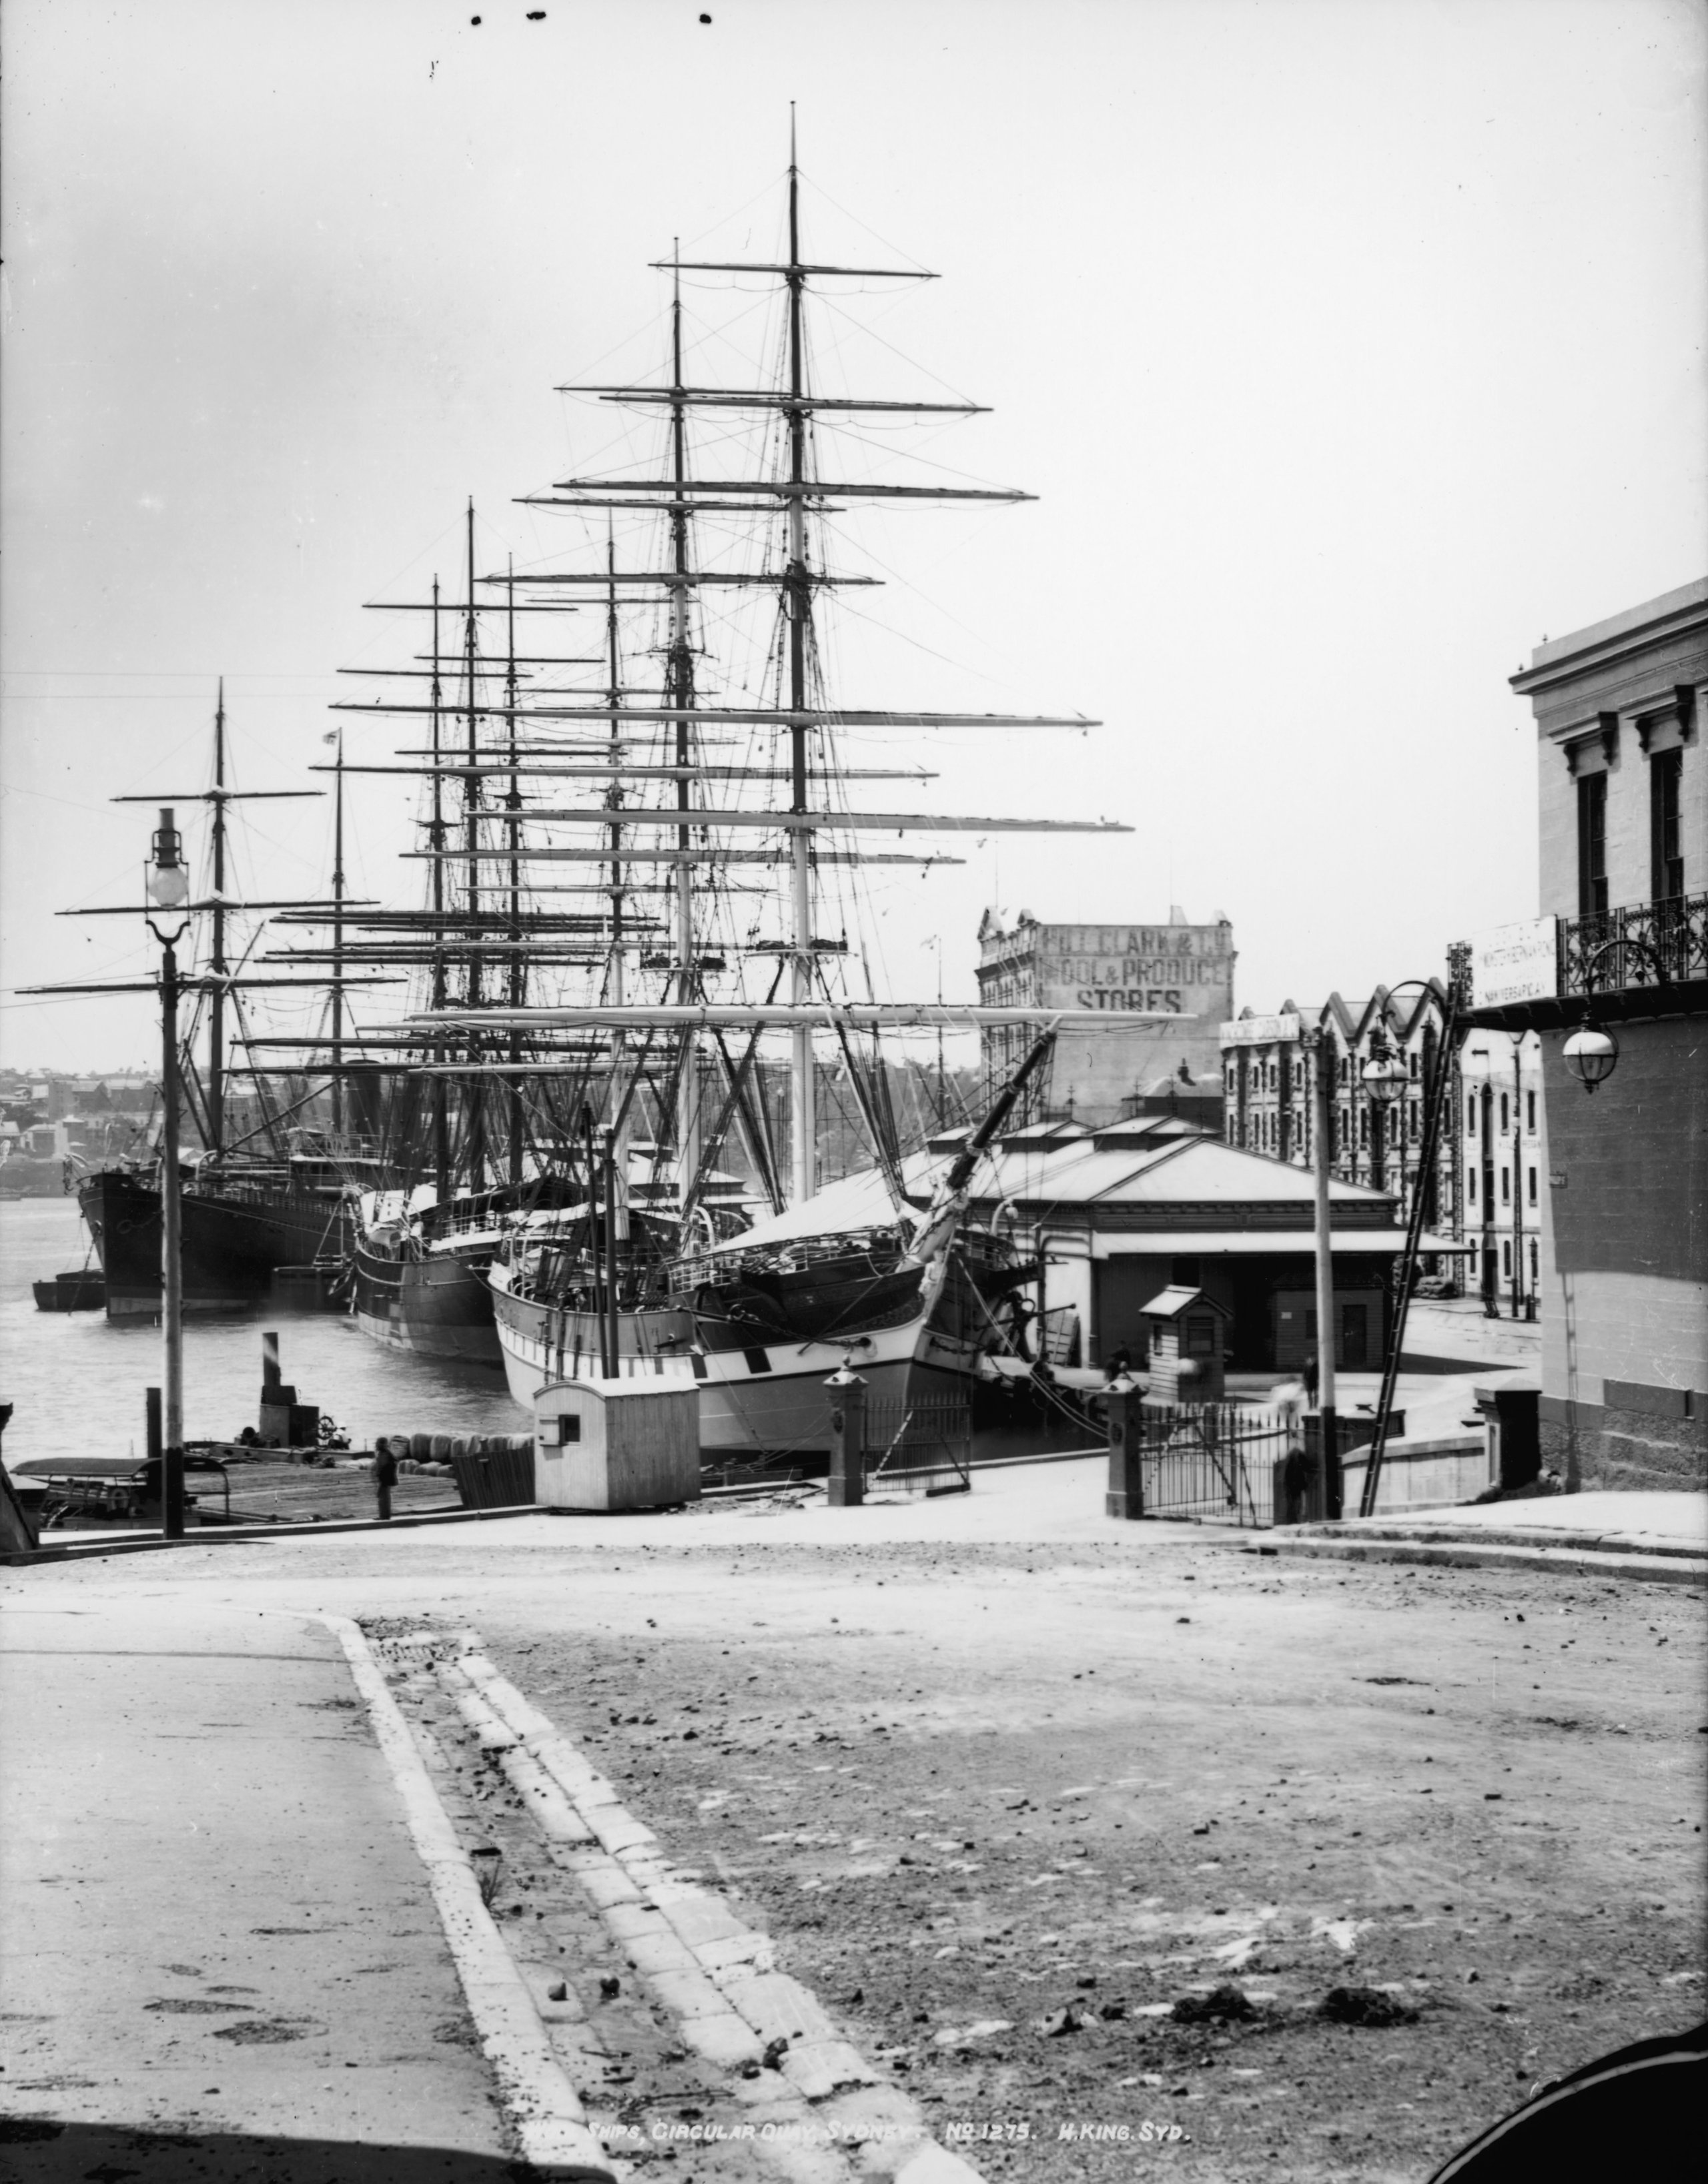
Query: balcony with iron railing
column 1654, row 943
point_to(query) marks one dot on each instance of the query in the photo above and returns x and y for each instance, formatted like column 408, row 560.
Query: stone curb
column 86, row 1546
column 714, row 1974
column 1650, row 1569
column 1506, row 1536
column 543, row 2108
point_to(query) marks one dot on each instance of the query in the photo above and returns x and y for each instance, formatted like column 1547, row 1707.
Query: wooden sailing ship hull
column 436, row 1306
column 234, row 1234
column 767, row 1396
column 755, row 1400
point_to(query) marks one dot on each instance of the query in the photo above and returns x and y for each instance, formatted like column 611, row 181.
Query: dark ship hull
column 78, row 1290
column 438, row 1307
column 235, row 1232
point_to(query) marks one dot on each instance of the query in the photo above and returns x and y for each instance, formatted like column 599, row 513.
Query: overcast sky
column 1352, row 347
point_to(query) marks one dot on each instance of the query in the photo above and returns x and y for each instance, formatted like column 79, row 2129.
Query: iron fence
column 1213, row 1462
column 924, row 1446
column 1638, row 944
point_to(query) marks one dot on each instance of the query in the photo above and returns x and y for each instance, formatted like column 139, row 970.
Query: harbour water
column 76, row 1383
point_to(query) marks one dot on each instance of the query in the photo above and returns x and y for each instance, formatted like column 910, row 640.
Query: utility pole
column 1517, row 1175
column 1321, row 1099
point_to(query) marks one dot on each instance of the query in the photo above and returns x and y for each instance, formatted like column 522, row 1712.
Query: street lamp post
column 168, row 888
column 1321, row 1108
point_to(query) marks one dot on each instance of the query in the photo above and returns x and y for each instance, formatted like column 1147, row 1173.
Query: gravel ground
column 1006, row 1813
column 1005, row 1806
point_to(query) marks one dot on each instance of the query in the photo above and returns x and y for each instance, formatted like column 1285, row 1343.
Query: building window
column 1532, row 1186
column 1592, row 845
column 1505, row 1261
column 1470, row 1184
column 1530, row 1112
column 1471, row 1116
column 1504, row 1113
column 1667, row 850
column 1506, row 1186
column 1363, row 1126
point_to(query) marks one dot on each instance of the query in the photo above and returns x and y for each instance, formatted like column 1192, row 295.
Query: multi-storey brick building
column 1266, row 1087
column 1102, row 1077
column 1486, row 1186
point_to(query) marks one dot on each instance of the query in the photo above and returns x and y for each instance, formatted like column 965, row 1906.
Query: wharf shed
column 1119, row 1215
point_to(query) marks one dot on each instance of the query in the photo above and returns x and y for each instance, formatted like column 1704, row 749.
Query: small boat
column 84, row 1289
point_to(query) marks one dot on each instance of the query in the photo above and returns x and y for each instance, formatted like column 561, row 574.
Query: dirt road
column 1004, row 1807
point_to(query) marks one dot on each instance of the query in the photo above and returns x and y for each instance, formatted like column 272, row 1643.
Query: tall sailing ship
column 882, row 1269
column 258, row 1196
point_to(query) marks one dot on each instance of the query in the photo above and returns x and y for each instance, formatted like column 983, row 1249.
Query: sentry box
column 604, row 1445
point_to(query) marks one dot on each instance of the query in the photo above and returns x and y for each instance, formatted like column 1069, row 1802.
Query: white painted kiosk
column 610, row 1445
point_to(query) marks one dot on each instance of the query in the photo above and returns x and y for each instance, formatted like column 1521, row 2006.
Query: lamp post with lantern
column 1591, row 1054
column 168, row 888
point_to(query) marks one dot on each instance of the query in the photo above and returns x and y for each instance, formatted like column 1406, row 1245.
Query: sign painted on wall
column 1186, row 970
column 1259, row 1031
column 1514, row 963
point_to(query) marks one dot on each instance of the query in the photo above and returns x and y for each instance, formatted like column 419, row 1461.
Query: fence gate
column 924, row 1446
column 1212, row 1462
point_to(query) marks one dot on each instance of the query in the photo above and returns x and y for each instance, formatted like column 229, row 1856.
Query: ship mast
column 616, row 1130
column 441, row 1109
column 217, row 967
column 797, row 585
column 338, row 1012
column 473, row 1114
column 512, row 805
column 680, row 680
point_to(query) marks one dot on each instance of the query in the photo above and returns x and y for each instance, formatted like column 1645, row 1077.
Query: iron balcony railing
column 1642, row 943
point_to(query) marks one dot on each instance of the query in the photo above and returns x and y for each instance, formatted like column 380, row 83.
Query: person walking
column 1310, row 1379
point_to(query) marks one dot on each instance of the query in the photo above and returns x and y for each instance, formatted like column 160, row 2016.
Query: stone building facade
column 1502, row 1186
column 1102, row 1077
column 1622, row 948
